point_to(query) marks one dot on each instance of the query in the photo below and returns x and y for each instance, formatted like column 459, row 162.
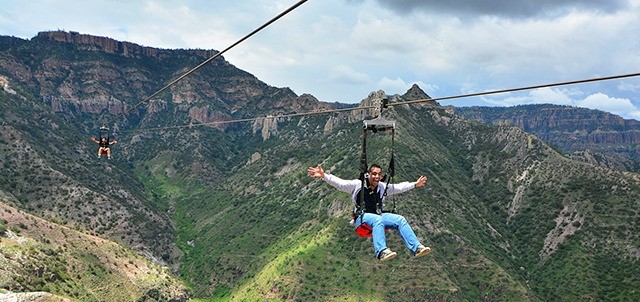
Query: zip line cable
column 398, row 103
column 211, row 59
column 251, row 119
column 520, row 88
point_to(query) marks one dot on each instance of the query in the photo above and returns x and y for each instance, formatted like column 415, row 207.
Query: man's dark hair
column 374, row 166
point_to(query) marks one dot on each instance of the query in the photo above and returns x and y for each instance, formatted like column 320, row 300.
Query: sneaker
column 422, row 251
column 387, row 254
column 109, row 157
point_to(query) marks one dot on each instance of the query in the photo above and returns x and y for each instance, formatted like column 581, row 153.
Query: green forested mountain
column 592, row 136
column 231, row 212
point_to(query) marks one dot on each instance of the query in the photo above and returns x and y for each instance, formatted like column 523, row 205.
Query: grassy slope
column 38, row 255
column 270, row 232
column 236, row 233
column 266, row 230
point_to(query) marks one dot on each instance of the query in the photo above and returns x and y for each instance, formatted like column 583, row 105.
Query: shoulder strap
column 391, row 170
column 363, row 171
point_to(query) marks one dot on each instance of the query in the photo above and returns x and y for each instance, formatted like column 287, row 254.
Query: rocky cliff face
column 59, row 77
column 70, row 81
column 111, row 46
column 573, row 130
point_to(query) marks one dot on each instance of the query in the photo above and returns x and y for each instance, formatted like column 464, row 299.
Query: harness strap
column 364, row 166
column 391, row 170
column 105, row 132
column 363, row 173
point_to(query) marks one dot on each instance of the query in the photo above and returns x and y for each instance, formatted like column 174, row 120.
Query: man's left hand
column 421, row 181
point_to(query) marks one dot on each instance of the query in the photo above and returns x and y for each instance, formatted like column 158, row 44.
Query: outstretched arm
column 93, row 139
column 402, row 187
column 113, row 142
column 343, row 185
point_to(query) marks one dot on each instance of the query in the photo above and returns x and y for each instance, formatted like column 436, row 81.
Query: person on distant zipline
column 104, row 146
column 373, row 214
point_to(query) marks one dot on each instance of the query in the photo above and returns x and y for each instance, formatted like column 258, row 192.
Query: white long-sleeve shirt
column 353, row 186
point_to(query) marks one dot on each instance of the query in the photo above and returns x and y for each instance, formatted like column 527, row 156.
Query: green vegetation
column 236, row 218
column 50, row 258
column 608, row 139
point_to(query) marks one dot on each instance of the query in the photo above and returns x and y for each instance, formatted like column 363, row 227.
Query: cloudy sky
column 341, row 50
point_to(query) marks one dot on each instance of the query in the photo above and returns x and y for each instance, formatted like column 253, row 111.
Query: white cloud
column 342, row 50
column 537, row 96
column 635, row 115
column 347, row 75
column 627, row 86
column 619, row 106
column 390, row 85
column 622, row 107
column 548, row 95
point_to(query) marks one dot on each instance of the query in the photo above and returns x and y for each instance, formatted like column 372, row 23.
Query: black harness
column 371, row 202
column 104, row 132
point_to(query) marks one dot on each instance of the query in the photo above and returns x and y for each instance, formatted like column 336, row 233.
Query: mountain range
column 206, row 207
column 590, row 135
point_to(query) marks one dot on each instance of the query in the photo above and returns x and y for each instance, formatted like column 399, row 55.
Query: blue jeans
column 388, row 220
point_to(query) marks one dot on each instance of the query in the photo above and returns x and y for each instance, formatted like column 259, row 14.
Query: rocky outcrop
column 94, row 105
column 416, row 93
column 613, row 162
column 572, row 130
column 32, row 297
column 568, row 221
column 156, row 106
column 4, row 83
column 267, row 126
column 328, row 126
column 206, row 115
column 373, row 99
column 108, row 45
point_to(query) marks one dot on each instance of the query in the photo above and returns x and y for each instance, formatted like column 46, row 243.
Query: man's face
column 374, row 176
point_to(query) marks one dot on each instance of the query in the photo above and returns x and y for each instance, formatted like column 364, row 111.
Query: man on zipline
column 372, row 213
column 104, row 146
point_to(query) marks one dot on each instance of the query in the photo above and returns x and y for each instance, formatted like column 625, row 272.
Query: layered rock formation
column 573, row 130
